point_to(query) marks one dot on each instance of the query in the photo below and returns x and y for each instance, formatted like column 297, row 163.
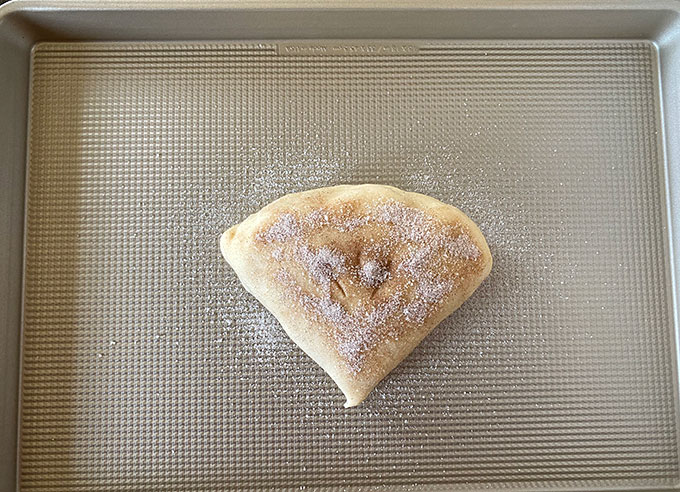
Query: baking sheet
column 145, row 364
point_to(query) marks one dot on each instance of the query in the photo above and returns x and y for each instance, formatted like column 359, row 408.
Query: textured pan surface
column 146, row 364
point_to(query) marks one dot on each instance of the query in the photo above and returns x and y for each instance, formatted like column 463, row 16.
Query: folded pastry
column 358, row 275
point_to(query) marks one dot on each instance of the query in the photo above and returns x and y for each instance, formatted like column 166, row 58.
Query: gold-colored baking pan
column 132, row 136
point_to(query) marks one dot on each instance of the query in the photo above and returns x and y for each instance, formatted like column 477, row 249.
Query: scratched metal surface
column 146, row 365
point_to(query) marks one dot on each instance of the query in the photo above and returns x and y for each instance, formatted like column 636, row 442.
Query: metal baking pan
column 133, row 135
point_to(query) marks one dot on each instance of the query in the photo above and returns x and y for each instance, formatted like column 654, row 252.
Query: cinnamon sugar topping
column 390, row 297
